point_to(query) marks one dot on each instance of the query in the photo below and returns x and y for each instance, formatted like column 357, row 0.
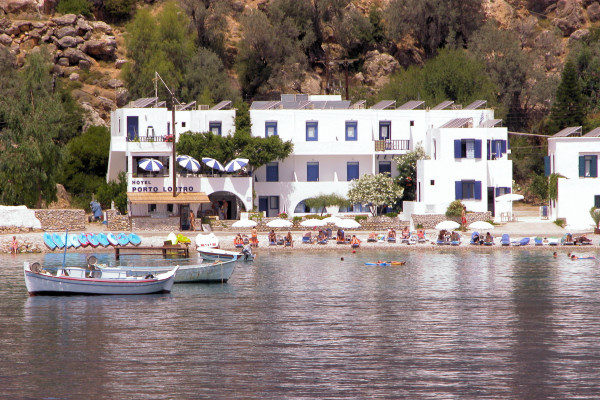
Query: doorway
column 184, row 217
column 491, row 200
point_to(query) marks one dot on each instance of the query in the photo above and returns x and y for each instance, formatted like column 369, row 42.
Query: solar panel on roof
column 570, row 131
column 475, row 105
column 593, row 133
column 142, row 102
column 490, row 123
column 443, row 104
column 161, row 104
column 383, row 104
column 411, row 105
column 222, row 105
column 458, row 123
column 359, row 104
column 182, row 107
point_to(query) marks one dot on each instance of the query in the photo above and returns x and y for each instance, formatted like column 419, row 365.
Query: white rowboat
column 215, row 272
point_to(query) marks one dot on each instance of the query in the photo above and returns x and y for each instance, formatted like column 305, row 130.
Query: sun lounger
column 391, row 240
column 537, row 241
column 307, row 238
column 553, row 241
column 413, row 239
column 523, row 242
column 474, row 238
column 505, row 240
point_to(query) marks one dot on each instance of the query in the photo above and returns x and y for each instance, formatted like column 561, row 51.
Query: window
column 412, row 123
column 597, row 201
column 273, row 172
column 385, row 167
column 385, row 130
column 312, row 172
column 352, row 170
column 132, row 127
column 183, row 124
column 215, row 127
column 468, row 190
column 270, row 128
column 312, row 131
column 151, row 207
column 170, row 208
column 351, row 131
column 588, row 166
column 432, row 182
column 467, row 148
column 495, row 149
column 500, row 191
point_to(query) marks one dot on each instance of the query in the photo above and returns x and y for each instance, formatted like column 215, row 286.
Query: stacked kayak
column 56, row 241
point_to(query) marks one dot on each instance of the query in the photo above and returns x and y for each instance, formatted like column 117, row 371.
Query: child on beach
column 14, row 245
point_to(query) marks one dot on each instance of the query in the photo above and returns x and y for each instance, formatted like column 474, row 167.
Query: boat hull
column 44, row 284
column 217, row 272
column 218, row 254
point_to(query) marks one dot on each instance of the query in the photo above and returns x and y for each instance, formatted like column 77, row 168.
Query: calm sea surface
column 447, row 325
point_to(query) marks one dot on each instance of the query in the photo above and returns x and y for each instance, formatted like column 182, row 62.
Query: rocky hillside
column 89, row 54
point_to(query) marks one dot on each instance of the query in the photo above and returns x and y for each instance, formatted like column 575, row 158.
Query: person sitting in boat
column 238, row 241
column 372, row 237
column 288, row 239
column 354, row 242
column 272, row 237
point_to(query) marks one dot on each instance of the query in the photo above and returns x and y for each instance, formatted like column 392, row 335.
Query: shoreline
column 34, row 242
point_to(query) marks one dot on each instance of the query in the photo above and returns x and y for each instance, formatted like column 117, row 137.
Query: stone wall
column 59, row 220
column 429, row 221
column 167, row 224
column 116, row 221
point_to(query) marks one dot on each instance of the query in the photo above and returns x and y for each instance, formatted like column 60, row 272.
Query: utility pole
column 173, row 100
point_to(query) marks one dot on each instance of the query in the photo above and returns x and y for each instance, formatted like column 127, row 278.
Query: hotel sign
column 144, row 186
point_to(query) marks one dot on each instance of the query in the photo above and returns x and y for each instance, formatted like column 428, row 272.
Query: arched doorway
column 225, row 205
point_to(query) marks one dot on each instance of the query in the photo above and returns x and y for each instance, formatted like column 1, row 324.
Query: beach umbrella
column 212, row 163
column 313, row 222
column 244, row 223
column 236, row 164
column 447, row 225
column 579, row 228
column 189, row 163
column 347, row 224
column 510, row 197
column 150, row 164
column 482, row 225
column 332, row 220
column 279, row 223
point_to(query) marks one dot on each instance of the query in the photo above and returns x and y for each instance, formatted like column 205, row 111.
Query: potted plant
column 595, row 214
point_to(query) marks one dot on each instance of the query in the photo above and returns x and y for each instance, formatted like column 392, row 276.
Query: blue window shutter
column 581, row 166
column 547, row 165
column 497, row 191
column 503, row 146
column 457, row 148
column 458, row 189
column 597, row 201
column 594, row 167
column 477, row 148
column 489, row 155
column 508, row 190
column 477, row 190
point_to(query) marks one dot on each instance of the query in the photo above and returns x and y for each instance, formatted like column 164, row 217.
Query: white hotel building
column 334, row 142
column 575, row 157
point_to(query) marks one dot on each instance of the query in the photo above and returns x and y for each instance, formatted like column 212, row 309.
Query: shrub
column 297, row 219
column 283, row 215
column 455, row 209
column 83, row 7
column 359, row 218
column 391, row 214
column 595, row 214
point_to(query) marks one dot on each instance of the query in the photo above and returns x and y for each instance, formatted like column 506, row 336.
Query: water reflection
column 481, row 324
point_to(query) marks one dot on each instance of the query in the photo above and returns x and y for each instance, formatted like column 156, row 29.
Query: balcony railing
column 167, row 138
column 383, row 145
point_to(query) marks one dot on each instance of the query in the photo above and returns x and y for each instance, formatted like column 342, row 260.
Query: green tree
column 85, row 162
column 31, row 118
column 434, row 24
column 206, row 77
column 407, row 168
column 114, row 191
column 451, row 75
column 455, row 209
column 374, row 191
column 118, row 10
column 322, row 201
column 83, row 7
column 568, row 108
column 208, row 19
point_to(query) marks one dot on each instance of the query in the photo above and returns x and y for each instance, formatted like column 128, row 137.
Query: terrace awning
column 167, row 198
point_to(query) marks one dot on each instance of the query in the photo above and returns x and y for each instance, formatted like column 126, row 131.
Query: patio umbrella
column 313, row 222
column 189, row 163
column 236, row 164
column 347, row 224
column 212, row 163
column 332, row 220
column 279, row 223
column 510, row 197
column 447, row 225
column 150, row 164
column 481, row 225
column 244, row 223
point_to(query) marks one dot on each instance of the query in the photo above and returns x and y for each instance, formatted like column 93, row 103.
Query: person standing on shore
column 463, row 218
column 14, row 245
column 192, row 221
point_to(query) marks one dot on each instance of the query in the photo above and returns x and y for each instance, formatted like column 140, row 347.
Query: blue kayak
column 134, row 239
column 102, row 239
column 58, row 240
column 48, row 241
column 122, row 239
column 74, row 241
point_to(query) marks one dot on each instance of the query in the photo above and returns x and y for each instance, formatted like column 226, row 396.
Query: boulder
column 67, row 19
column 5, row 40
column 85, row 64
column 19, row 6
column 114, row 83
column 122, row 97
column 67, row 41
column 311, row 84
column 100, row 26
column 378, row 67
column 579, row 34
column 65, row 31
column 594, row 12
column 63, row 62
column 75, row 56
column 91, row 116
column 569, row 16
column 107, row 104
column 74, row 76
column 119, row 63
column 83, row 27
column 101, row 49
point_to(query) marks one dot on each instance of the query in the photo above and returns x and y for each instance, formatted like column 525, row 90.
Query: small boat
column 112, row 239
column 386, row 263
column 122, row 239
column 218, row 254
column 77, row 280
column 92, row 239
column 207, row 241
column 73, row 241
column 83, row 240
column 58, row 240
column 214, row 272
column 102, row 239
column 134, row 239
column 48, row 241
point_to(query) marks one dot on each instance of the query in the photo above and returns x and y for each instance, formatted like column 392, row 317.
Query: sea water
column 495, row 324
